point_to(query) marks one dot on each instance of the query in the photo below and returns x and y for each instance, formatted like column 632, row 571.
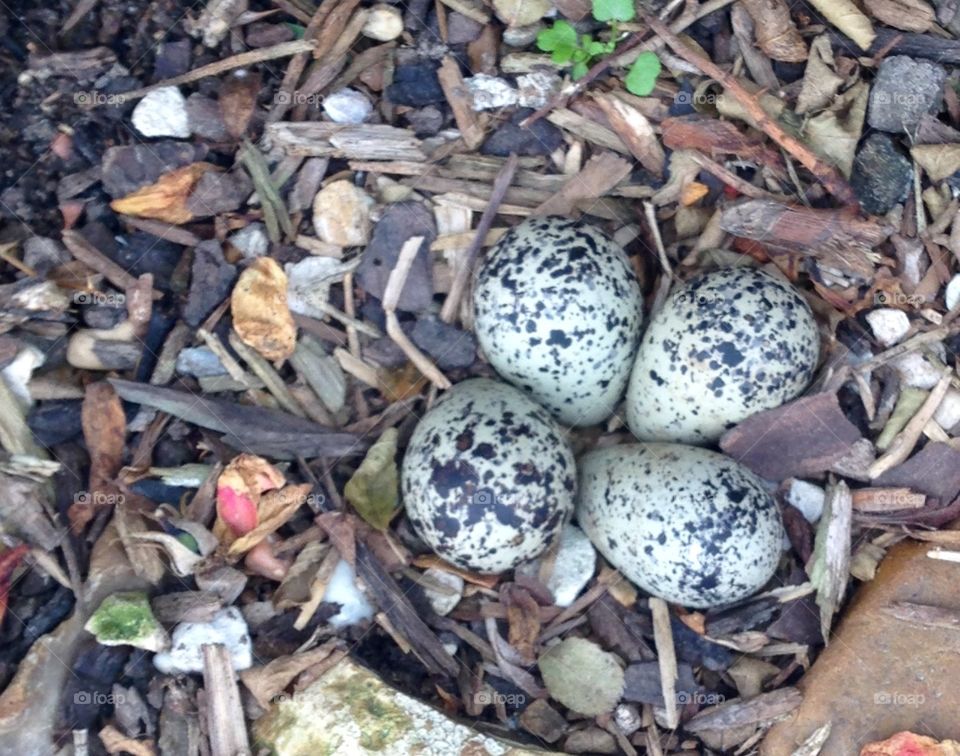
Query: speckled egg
column 685, row 524
column 724, row 346
column 488, row 480
column 558, row 312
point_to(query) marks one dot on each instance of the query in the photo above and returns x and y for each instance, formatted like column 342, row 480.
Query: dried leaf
column 373, row 488
column 266, row 682
column 829, row 568
column 776, row 33
column 906, row 15
column 183, row 561
column 582, row 676
column 820, row 81
column 834, row 133
column 937, row 160
column 260, row 313
column 238, row 100
column 295, row 588
column 115, row 742
column 276, row 508
column 166, row 199
column 239, row 489
column 847, row 18
column 911, row 744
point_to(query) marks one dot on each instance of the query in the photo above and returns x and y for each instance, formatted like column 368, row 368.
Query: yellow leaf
column 260, row 313
column 166, row 199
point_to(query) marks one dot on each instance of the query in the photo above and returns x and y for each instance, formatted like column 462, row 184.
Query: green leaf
column 559, row 36
column 613, row 10
column 642, row 76
column 373, row 489
column 563, row 55
column 595, row 47
column 579, row 70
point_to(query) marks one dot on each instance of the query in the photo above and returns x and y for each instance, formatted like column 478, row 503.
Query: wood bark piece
column 601, row 173
column 881, row 675
column 635, row 131
column 804, row 437
column 370, row 141
column 469, row 122
column 225, row 720
column 831, row 178
column 934, row 471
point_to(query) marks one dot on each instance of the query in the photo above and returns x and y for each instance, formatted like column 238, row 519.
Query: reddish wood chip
column 802, row 438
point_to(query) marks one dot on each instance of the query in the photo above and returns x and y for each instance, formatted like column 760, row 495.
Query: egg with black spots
column 488, row 479
column 557, row 312
column 684, row 523
column 725, row 345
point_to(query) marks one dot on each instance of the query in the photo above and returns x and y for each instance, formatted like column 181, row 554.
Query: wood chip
column 226, row 725
column 360, row 142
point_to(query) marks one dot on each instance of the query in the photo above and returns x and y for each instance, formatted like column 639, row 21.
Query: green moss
column 381, row 722
column 123, row 617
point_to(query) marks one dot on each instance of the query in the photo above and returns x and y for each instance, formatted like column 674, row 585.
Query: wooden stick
column 667, row 659
column 451, row 305
column 225, row 720
column 835, row 183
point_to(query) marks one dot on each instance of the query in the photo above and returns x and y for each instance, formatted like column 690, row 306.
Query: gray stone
column 126, row 169
column 400, row 221
column 347, row 106
column 541, row 138
column 448, row 345
column 205, row 118
column 211, row 280
column 882, row 175
column 217, row 193
column 43, row 254
column 903, row 91
column 199, row 362
column 462, row 29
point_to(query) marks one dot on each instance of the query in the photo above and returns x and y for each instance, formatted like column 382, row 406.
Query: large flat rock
column 880, row 674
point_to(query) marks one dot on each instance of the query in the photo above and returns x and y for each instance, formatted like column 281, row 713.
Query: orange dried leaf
column 260, row 313
column 909, row 744
column 166, row 199
column 693, row 193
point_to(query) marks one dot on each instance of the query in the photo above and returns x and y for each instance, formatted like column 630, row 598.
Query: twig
column 225, row 720
column 667, row 658
column 501, row 183
column 835, row 183
column 398, row 277
column 731, row 179
column 92, row 257
column 283, row 50
column 903, row 444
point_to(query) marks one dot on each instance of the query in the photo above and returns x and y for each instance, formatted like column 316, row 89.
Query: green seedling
column 566, row 46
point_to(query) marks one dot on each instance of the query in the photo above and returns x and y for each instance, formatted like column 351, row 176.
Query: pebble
column 162, row 113
column 521, row 36
column 206, row 118
column 227, row 628
column 573, row 566
column 251, row 241
column 347, row 106
column 443, row 602
column 426, row 121
column 806, row 497
column 882, row 175
column 462, row 29
column 384, row 23
column 341, row 214
column 199, row 362
column 211, row 279
column 416, row 85
column 903, row 91
column 541, row 138
column 889, row 326
column 490, row 92
column 217, row 193
column 43, row 254
column 916, row 371
column 952, row 294
column 521, row 12
column 125, row 619
column 535, row 89
column 948, row 413
column 342, row 589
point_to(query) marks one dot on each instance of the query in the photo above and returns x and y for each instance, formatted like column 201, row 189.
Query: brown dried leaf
column 166, row 199
column 266, row 681
column 845, row 15
column 115, row 742
column 276, row 508
column 820, row 80
column 104, row 431
column 238, row 100
column 260, row 313
column 777, row 35
column 906, row 15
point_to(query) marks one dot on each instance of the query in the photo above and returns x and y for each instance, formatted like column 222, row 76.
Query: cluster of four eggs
column 489, row 479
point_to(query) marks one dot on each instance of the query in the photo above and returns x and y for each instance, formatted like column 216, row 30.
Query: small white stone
column 521, row 12
column 948, row 413
column 952, row 295
column 162, row 113
column 535, row 89
column 573, row 566
column 443, row 602
column 384, row 23
column 917, row 372
column 806, row 497
column 627, row 718
column 490, row 92
column 521, row 36
column 347, row 106
column 341, row 214
column 251, row 241
column 227, row 628
column 342, row 589
column 889, row 326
